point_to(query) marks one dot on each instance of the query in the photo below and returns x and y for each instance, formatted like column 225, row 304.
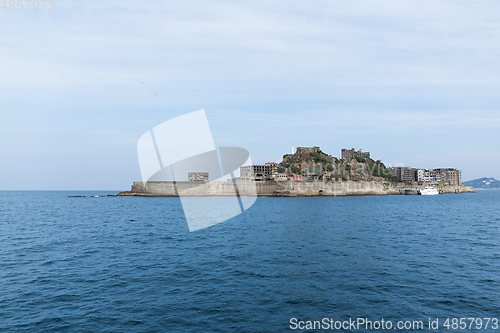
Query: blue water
column 129, row 264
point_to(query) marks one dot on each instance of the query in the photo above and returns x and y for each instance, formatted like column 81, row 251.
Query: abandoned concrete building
column 349, row 154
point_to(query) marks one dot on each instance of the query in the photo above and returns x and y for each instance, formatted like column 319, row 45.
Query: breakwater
column 281, row 188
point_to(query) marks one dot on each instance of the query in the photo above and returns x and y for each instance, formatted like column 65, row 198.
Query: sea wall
column 280, row 188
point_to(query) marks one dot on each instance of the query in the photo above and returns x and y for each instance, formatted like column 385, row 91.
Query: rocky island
column 308, row 171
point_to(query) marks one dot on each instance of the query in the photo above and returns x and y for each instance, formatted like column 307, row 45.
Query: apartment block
column 349, row 154
column 434, row 176
column 259, row 172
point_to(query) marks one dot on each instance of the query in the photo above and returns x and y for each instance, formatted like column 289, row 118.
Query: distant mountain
column 486, row 182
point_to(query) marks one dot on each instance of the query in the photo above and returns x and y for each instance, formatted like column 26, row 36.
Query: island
column 485, row 183
column 308, row 171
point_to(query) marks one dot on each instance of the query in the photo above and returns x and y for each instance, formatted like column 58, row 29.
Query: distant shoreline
column 486, row 189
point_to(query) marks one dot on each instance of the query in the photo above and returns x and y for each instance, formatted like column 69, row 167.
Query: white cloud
column 360, row 69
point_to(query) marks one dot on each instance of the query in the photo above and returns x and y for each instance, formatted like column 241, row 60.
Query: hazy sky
column 413, row 82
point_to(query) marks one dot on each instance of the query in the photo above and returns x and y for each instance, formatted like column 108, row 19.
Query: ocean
column 130, row 264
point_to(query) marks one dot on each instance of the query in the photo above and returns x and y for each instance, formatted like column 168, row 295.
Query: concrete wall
column 281, row 188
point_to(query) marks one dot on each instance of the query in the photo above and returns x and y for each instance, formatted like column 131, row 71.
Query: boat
column 429, row 190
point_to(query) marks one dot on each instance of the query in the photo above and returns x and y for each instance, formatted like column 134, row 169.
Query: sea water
column 130, row 264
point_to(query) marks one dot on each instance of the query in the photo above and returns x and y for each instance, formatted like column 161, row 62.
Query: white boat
column 429, row 190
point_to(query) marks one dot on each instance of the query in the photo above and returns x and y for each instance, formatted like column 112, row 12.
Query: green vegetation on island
column 313, row 163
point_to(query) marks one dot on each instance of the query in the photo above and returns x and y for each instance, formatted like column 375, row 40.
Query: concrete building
column 443, row 175
column 349, row 154
column 307, row 149
column 433, row 176
column 281, row 177
column 259, row 172
column 198, row 176
column 450, row 175
column 326, row 176
column 408, row 174
column 399, row 171
column 419, row 175
column 430, row 176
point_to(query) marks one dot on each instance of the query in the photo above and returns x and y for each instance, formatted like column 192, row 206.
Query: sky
column 415, row 83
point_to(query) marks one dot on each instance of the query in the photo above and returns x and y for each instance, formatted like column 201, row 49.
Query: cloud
column 329, row 43
column 361, row 72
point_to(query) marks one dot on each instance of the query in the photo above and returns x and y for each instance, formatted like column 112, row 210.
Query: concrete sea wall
column 280, row 188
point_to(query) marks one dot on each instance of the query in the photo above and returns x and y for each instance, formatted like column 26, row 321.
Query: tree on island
column 296, row 170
